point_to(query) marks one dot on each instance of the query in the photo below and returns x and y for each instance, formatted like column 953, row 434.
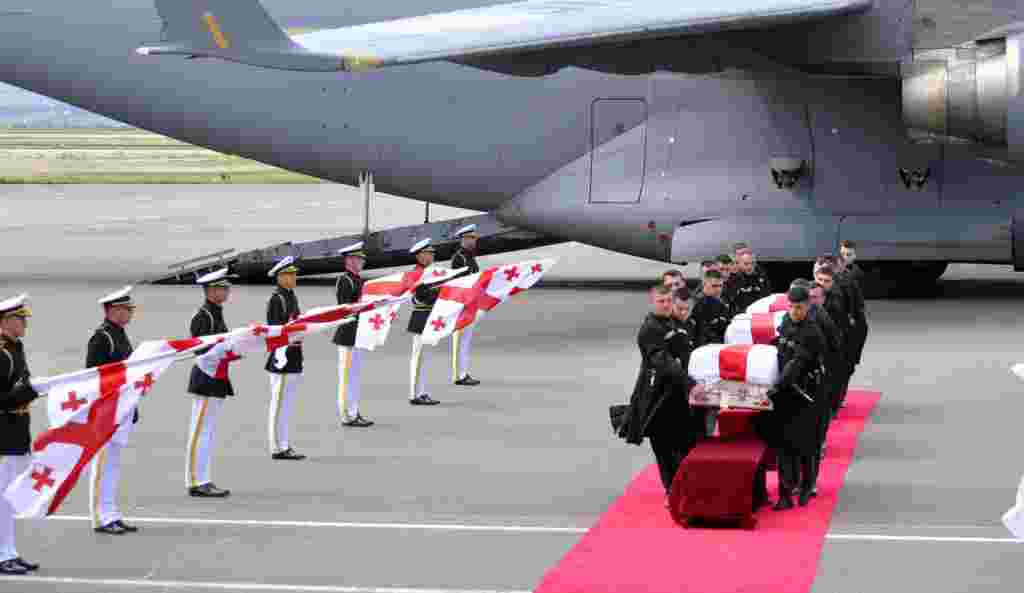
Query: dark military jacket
column 834, row 356
column 662, row 387
column 283, row 307
column 710, row 317
column 208, row 321
column 465, row 259
column 745, row 289
column 109, row 343
column 422, row 304
column 795, row 420
column 683, row 341
column 348, row 290
column 836, row 305
column 851, row 281
column 16, row 394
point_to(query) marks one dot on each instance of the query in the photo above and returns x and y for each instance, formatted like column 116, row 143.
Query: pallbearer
column 422, row 303
column 210, row 392
column 15, row 437
column 462, row 339
column 350, row 359
column 109, row 343
column 284, row 364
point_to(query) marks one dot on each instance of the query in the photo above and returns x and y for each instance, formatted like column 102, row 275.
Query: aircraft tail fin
column 219, row 26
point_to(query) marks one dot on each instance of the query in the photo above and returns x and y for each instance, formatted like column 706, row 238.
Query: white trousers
column 417, row 386
column 350, row 366
column 282, row 392
column 105, row 482
column 11, row 466
column 462, row 344
column 201, row 433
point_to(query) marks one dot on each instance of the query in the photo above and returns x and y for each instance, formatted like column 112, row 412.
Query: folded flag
column 85, row 408
column 374, row 327
column 770, row 304
column 754, row 328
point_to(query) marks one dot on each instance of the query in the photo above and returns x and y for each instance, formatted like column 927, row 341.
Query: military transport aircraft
column 666, row 129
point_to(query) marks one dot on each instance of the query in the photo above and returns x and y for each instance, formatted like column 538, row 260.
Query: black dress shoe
column 357, row 422
column 12, row 567
column 288, row 453
column 111, row 529
column 805, row 497
column 30, row 566
column 423, row 399
column 467, row 380
column 208, row 491
column 785, row 503
column 127, row 528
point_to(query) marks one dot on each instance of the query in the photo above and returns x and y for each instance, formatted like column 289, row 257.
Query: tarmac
column 489, row 489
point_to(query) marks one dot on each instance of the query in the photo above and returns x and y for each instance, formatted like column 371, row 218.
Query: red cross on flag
column 770, row 304
column 529, row 273
column 78, row 430
column 754, row 328
column 755, row 364
column 374, row 326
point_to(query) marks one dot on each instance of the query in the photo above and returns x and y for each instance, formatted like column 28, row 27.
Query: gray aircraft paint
column 682, row 148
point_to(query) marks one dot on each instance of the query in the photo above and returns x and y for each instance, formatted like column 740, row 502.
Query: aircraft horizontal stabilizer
column 242, row 31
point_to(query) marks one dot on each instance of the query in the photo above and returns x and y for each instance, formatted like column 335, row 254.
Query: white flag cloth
column 755, row 364
column 463, row 300
column 754, row 328
column 85, row 408
column 374, row 327
column 235, row 344
column 770, row 304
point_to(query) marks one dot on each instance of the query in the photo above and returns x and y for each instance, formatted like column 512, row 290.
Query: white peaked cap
column 216, row 277
column 15, row 306
column 353, row 249
column 469, row 228
column 119, row 297
column 283, row 266
column 421, row 245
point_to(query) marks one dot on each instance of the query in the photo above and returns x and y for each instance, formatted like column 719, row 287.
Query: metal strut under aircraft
column 385, row 248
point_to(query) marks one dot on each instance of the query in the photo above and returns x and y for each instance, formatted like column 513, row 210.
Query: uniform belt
column 422, row 307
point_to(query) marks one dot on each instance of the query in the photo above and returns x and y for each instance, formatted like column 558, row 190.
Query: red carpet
column 637, row 548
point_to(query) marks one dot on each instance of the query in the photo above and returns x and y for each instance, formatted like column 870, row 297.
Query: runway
column 489, row 489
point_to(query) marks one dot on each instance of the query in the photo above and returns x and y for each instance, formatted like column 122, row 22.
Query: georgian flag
column 754, row 328
column 85, row 409
column 374, row 327
column 747, row 363
column 463, row 301
column 770, row 304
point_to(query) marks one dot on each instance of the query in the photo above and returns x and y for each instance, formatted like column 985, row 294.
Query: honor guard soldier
column 16, row 394
column 284, row 365
column 462, row 339
column 422, row 304
column 794, row 419
column 109, row 343
column 350, row 359
column 209, row 392
column 746, row 286
column 710, row 314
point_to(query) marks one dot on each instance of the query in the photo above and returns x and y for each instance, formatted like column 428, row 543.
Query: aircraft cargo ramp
column 386, row 248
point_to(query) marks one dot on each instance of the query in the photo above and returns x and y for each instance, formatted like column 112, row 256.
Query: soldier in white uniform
column 284, row 365
column 208, row 393
column 422, row 304
column 109, row 343
column 350, row 359
column 462, row 339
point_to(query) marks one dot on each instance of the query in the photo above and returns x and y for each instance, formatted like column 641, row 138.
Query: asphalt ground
column 489, row 489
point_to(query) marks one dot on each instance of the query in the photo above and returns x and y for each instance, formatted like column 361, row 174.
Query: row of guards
column 93, row 411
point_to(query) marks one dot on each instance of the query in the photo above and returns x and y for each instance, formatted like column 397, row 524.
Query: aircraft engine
column 970, row 96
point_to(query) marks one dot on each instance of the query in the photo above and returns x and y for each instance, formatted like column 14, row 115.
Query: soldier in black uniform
column 836, row 304
column 284, row 365
column 462, row 339
column 747, row 285
column 209, row 392
column 682, row 344
column 853, row 276
column 792, row 424
column 422, row 304
column 705, row 267
column 16, row 394
column 110, row 343
column 710, row 314
column 834, row 363
column 659, row 407
column 348, row 290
